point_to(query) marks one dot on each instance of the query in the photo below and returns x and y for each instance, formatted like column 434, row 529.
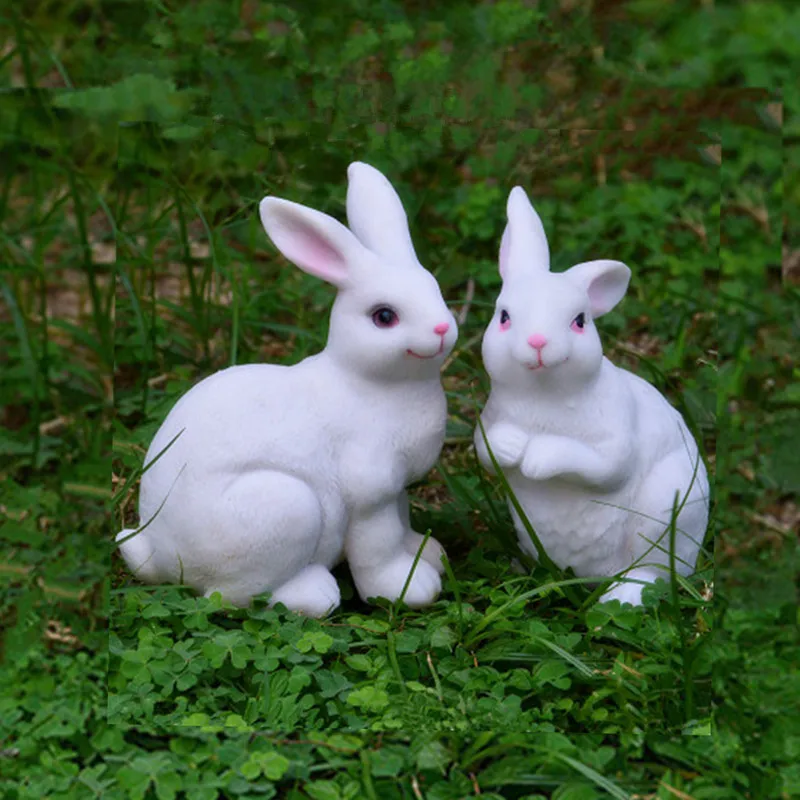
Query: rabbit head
column 389, row 320
column 542, row 334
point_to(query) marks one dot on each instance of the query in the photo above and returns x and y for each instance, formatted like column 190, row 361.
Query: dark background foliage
column 136, row 140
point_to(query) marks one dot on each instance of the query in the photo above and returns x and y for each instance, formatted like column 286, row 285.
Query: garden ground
column 133, row 263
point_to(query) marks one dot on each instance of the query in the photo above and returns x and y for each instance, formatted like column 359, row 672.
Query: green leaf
column 155, row 609
column 274, row 765
column 316, row 640
column 133, row 99
column 599, row 780
column 386, row 762
column 444, row 637
column 434, row 756
column 408, row 641
column 197, row 621
column 235, row 721
column 369, row 698
column 322, row 790
column 168, row 785
column 331, row 683
column 195, row 719
column 359, row 662
column 269, row 763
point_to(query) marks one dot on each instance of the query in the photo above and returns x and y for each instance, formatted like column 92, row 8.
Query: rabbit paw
column 542, row 456
column 423, row 588
column 432, row 552
column 625, row 593
column 630, row 591
column 507, row 443
column 534, row 466
column 313, row 592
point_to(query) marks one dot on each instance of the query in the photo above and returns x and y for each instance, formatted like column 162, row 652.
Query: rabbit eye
column 579, row 321
column 504, row 318
column 385, row 317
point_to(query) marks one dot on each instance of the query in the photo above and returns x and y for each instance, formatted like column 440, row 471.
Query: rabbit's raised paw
column 507, row 443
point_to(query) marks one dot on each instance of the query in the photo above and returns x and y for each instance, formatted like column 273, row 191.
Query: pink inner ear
column 325, row 260
column 604, row 281
column 310, row 250
column 603, row 294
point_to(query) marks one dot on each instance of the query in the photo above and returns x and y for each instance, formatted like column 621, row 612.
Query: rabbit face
column 543, row 331
column 389, row 320
column 392, row 323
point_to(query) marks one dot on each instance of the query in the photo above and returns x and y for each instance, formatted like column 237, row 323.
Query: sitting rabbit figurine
column 594, row 454
column 270, row 475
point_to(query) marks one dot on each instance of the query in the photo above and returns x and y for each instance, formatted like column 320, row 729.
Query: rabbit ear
column 505, row 244
column 315, row 242
column 375, row 215
column 524, row 240
column 604, row 281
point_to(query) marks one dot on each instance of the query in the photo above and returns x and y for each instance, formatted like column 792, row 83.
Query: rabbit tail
column 139, row 555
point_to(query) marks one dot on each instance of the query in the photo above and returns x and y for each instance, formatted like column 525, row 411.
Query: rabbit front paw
column 535, row 466
column 545, row 457
column 423, row 588
column 507, row 443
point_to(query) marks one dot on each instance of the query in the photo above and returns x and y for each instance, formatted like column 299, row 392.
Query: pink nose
column 442, row 328
column 537, row 340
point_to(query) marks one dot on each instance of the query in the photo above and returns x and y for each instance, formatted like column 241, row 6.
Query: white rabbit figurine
column 278, row 473
column 594, row 454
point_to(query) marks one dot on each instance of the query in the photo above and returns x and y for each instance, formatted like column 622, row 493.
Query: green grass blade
column 593, row 775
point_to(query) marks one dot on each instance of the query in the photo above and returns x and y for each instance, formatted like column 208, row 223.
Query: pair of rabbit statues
column 263, row 477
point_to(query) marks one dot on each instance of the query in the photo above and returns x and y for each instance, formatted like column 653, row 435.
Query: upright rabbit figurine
column 594, row 454
column 275, row 474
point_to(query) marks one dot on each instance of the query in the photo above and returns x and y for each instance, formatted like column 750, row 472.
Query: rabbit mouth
column 542, row 365
column 437, row 353
column 539, row 365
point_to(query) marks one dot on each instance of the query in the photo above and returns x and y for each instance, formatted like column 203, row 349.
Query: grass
column 132, row 264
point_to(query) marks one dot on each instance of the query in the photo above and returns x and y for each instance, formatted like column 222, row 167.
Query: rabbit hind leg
column 656, row 502
column 650, row 522
column 432, row 552
column 630, row 589
column 268, row 528
column 313, row 592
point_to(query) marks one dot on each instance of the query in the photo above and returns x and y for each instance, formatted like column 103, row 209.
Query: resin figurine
column 277, row 473
column 594, row 454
